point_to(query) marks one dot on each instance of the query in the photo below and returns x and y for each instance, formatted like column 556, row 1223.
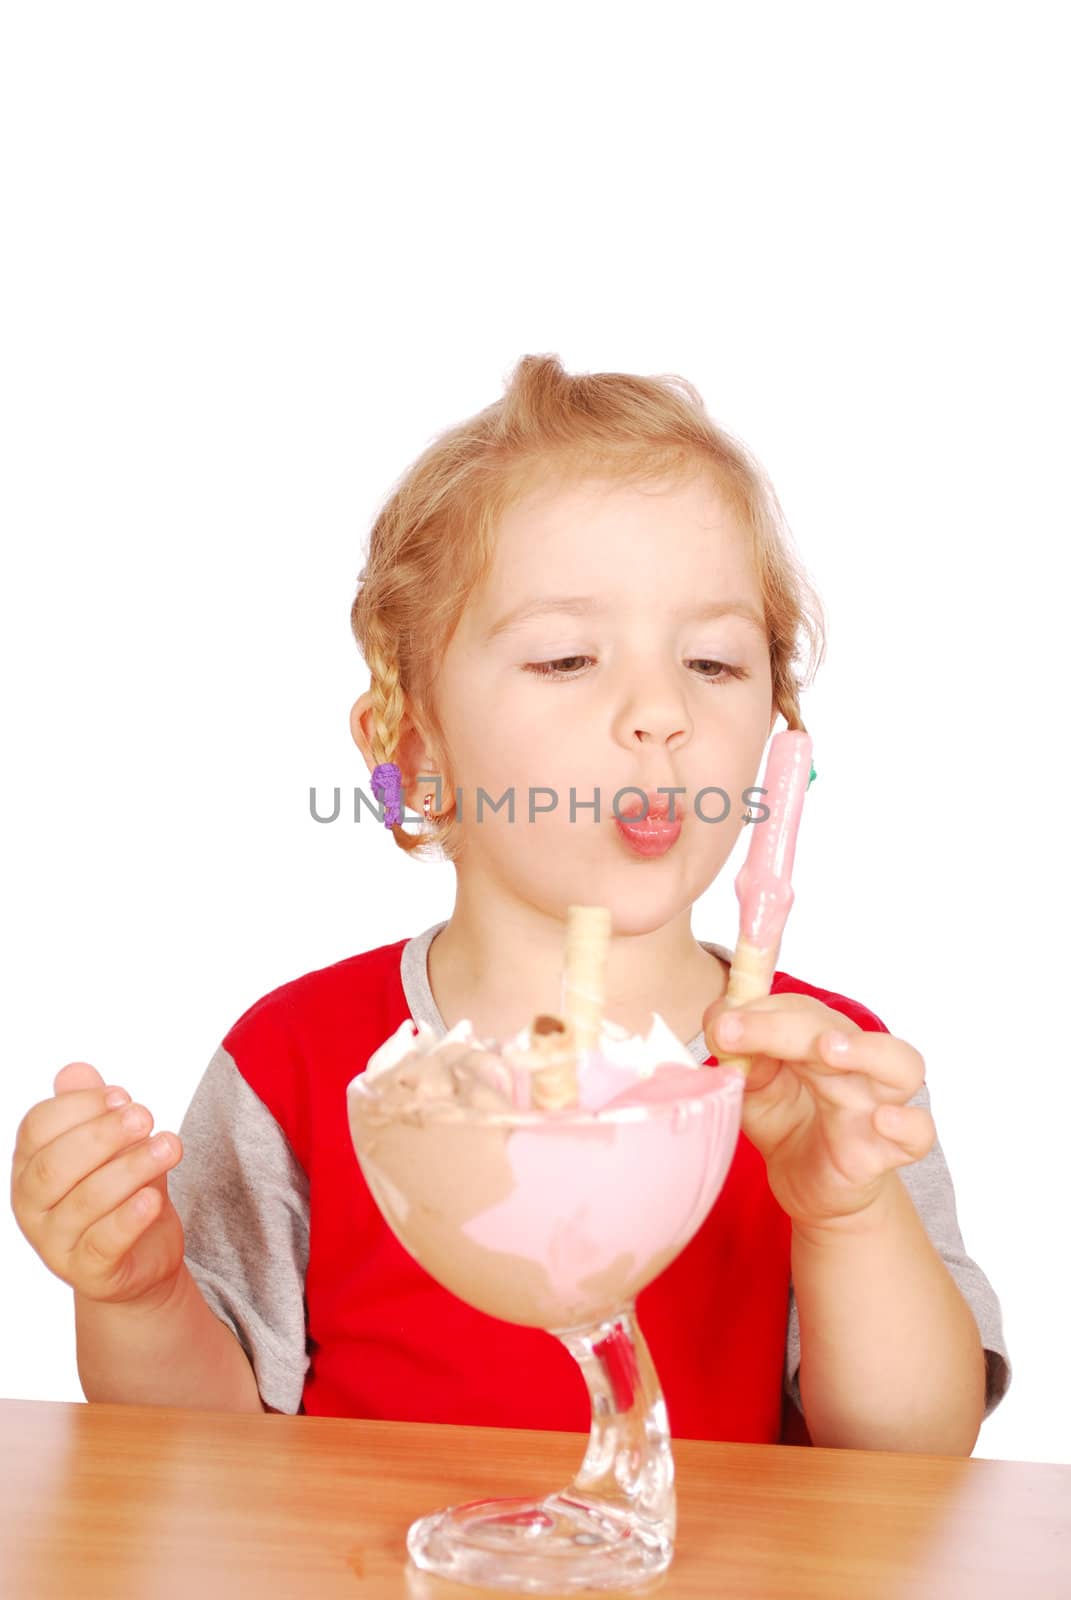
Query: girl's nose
column 649, row 699
column 642, row 734
column 653, row 714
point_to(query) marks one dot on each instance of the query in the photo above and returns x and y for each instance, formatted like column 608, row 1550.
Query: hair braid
column 388, row 710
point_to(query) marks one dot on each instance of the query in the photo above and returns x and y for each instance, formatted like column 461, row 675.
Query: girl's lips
column 651, row 838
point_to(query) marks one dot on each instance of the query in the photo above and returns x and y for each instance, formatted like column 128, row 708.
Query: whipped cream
column 418, row 1038
column 618, row 1060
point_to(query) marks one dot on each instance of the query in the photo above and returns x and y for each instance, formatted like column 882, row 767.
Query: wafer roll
column 587, row 945
column 750, row 977
column 553, row 1057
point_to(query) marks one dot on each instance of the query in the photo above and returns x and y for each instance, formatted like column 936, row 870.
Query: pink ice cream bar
column 764, row 882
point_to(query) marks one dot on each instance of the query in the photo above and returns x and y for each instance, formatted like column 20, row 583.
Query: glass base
column 555, row 1545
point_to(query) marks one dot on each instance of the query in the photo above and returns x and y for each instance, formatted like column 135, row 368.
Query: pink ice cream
column 556, row 1218
column 763, row 884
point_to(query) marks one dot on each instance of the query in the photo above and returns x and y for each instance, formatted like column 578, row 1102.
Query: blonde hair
column 433, row 541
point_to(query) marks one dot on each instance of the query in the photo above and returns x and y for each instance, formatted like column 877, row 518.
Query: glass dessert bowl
column 554, row 1217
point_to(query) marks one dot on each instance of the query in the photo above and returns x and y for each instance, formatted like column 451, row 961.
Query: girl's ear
column 412, row 756
column 360, row 714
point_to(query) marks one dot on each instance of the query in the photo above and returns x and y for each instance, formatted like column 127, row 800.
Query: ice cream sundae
column 546, row 1179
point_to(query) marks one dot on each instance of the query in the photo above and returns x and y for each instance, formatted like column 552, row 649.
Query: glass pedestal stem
column 628, row 1464
column 613, row 1527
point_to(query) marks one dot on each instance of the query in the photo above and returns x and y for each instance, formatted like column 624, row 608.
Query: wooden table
column 103, row 1502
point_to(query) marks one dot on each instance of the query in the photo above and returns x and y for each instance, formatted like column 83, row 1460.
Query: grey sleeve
column 929, row 1184
column 243, row 1199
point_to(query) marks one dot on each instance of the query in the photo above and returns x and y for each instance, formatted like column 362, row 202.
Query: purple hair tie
column 387, row 786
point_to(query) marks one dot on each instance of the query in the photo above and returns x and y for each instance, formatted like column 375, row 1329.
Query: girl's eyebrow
column 583, row 605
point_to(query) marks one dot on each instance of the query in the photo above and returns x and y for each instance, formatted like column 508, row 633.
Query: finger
column 910, row 1128
column 785, row 1032
column 48, row 1120
column 881, row 1057
column 76, row 1075
column 792, row 1036
column 109, row 1188
column 764, row 1006
column 54, row 1169
column 107, row 1262
column 764, row 1003
column 103, row 1246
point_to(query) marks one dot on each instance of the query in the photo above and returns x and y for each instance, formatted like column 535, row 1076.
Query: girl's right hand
column 90, row 1193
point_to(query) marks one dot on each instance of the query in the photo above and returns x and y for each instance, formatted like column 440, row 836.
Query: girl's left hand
column 831, row 1127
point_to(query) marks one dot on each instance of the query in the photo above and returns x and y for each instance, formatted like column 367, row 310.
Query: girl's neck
column 502, row 972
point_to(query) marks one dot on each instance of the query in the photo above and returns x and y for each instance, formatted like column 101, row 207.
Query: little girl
column 579, row 604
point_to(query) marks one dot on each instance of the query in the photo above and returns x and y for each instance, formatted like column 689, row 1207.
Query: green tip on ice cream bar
column 814, row 775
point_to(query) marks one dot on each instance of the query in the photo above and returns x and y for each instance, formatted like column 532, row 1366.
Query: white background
column 256, row 256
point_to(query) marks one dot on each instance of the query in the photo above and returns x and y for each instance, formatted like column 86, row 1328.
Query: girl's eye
column 725, row 671
column 548, row 669
column 552, row 669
